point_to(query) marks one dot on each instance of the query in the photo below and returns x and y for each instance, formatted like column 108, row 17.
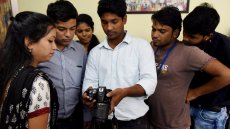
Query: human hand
column 87, row 100
column 191, row 95
column 116, row 96
column 87, row 124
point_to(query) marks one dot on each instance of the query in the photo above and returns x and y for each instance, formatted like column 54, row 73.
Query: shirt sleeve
column 197, row 58
column 40, row 98
column 147, row 67
column 91, row 72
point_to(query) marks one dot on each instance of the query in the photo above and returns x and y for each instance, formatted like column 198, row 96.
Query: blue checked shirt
column 66, row 69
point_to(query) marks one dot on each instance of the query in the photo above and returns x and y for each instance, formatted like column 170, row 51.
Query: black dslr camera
column 102, row 103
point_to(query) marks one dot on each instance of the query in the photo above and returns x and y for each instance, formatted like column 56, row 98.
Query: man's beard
column 202, row 45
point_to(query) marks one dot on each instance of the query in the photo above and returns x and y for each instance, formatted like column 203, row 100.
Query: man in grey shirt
column 67, row 65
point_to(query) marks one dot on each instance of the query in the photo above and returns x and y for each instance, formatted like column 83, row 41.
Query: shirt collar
column 126, row 40
column 71, row 45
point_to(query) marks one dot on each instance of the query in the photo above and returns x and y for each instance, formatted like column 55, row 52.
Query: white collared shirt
column 131, row 62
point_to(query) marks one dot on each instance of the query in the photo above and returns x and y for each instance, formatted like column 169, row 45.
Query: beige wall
column 137, row 24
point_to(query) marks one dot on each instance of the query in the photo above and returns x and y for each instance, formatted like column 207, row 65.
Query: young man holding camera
column 124, row 64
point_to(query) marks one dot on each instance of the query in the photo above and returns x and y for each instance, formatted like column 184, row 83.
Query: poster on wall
column 5, row 15
column 150, row 6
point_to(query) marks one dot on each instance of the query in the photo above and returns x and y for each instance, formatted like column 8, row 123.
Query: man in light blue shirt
column 67, row 65
column 124, row 64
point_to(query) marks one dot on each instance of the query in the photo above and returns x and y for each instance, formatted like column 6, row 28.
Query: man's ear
column 124, row 19
column 28, row 43
column 176, row 33
column 208, row 37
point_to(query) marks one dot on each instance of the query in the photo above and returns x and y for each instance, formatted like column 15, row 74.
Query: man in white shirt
column 124, row 64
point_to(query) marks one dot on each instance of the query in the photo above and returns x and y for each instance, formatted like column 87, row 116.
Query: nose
column 185, row 38
column 54, row 46
column 68, row 33
column 84, row 33
column 109, row 26
column 154, row 34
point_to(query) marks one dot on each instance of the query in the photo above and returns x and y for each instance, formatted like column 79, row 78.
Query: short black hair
column 117, row 7
column 62, row 10
column 169, row 16
column 202, row 20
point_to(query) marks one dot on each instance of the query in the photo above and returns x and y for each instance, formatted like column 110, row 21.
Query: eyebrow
column 65, row 27
column 161, row 28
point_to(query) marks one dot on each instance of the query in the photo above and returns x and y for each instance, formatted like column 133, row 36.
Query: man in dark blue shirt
column 199, row 29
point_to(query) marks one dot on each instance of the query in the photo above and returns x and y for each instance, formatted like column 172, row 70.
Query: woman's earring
column 30, row 50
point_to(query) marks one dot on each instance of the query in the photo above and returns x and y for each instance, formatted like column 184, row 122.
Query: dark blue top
column 219, row 47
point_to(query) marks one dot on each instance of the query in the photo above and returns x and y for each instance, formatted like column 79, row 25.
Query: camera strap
column 114, row 121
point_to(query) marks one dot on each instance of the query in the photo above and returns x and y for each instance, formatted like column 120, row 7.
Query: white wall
column 14, row 4
column 137, row 24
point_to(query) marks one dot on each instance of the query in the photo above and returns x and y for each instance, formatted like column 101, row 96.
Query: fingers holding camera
column 88, row 101
column 117, row 95
column 87, row 124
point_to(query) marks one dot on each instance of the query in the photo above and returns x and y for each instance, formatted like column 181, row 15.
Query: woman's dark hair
column 62, row 10
column 85, row 18
column 169, row 16
column 14, row 53
column 94, row 42
column 117, row 7
column 202, row 20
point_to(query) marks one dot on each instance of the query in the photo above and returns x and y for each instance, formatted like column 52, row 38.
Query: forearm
column 134, row 91
column 221, row 78
column 120, row 93
column 39, row 122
